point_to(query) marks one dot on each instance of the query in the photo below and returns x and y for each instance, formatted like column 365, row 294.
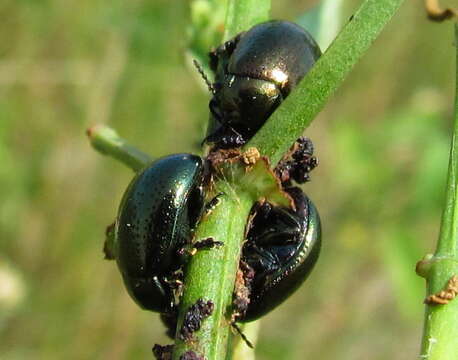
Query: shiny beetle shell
column 282, row 248
column 159, row 208
column 254, row 73
column 280, row 52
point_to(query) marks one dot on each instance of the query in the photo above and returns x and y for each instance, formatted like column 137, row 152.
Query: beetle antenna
column 242, row 335
column 201, row 71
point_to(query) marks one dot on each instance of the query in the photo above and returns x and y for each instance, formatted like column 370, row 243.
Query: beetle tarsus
column 208, row 243
column 242, row 335
column 212, row 204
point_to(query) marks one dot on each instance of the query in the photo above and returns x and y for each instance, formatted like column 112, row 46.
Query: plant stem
column 243, row 14
column 441, row 321
column 211, row 274
column 310, row 96
column 107, row 142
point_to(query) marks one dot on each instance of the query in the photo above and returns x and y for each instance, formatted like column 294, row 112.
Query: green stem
column 310, row 96
column 441, row 321
column 211, row 274
column 243, row 14
column 107, row 141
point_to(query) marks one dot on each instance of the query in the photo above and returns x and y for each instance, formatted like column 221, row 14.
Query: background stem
column 242, row 15
column 441, row 321
column 107, row 142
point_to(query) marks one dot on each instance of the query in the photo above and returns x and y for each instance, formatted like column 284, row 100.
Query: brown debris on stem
column 443, row 297
column 436, row 13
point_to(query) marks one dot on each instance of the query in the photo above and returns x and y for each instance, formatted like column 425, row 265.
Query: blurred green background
column 382, row 143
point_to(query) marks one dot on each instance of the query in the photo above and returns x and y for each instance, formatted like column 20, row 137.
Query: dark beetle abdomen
column 282, row 249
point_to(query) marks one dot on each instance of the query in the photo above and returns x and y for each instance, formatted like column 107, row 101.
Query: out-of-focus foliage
column 205, row 31
column 323, row 22
column 382, row 144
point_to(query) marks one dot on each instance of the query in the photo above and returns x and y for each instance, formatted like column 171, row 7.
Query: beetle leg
column 208, row 243
column 233, row 140
column 267, row 214
column 109, row 242
column 259, row 213
column 212, row 204
column 191, row 250
column 225, row 137
column 195, row 205
column 262, row 210
column 276, row 238
column 160, row 285
column 223, row 51
column 278, row 226
column 184, row 252
column 288, row 217
column 242, row 335
column 230, row 45
column 174, row 283
column 261, row 260
column 165, row 290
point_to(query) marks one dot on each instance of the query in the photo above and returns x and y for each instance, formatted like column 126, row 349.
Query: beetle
column 282, row 248
column 158, row 211
column 254, row 72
